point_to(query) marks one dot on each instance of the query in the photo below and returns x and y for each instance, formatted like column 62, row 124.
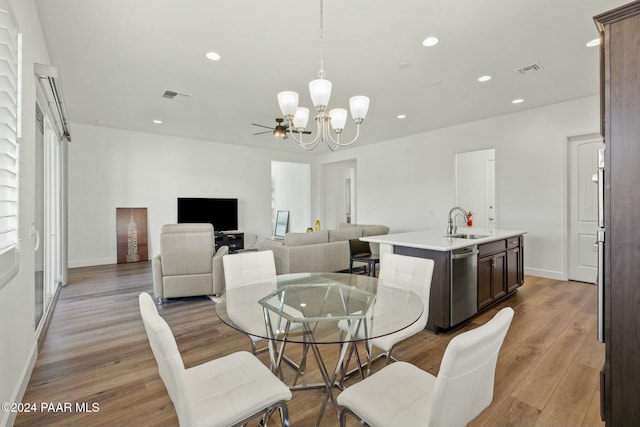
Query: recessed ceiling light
column 156, row 121
column 484, row 78
column 594, row 42
column 517, row 101
column 401, row 116
column 430, row 41
column 214, row 56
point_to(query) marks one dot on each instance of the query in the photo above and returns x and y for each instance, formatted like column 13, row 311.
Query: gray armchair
column 188, row 264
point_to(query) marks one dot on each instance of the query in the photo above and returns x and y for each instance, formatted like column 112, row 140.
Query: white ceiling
column 117, row 57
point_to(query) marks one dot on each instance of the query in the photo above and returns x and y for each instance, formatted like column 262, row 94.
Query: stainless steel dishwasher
column 464, row 284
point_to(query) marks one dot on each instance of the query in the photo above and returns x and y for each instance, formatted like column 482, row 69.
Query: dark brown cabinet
column 620, row 287
column 514, row 269
column 500, row 270
column 491, row 284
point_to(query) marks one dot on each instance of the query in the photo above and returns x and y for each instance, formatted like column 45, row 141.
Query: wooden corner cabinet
column 619, row 284
column 233, row 239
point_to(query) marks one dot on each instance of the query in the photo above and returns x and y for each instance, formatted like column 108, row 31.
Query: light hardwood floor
column 96, row 351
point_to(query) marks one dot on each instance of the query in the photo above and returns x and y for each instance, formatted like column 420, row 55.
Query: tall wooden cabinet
column 620, row 109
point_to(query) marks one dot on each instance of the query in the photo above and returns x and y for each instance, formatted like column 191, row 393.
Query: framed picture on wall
column 282, row 223
column 131, row 224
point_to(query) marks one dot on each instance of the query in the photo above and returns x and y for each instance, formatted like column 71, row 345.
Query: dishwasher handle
column 464, row 253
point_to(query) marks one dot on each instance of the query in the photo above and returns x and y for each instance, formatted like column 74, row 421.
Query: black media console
column 235, row 240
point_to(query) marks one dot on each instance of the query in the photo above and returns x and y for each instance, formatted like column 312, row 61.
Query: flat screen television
column 222, row 213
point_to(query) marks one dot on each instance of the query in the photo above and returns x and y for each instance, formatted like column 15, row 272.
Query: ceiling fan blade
column 263, row 126
column 266, row 131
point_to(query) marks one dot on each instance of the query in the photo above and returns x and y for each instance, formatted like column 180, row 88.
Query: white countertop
column 437, row 241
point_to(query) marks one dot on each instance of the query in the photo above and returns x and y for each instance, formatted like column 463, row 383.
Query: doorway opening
column 291, row 191
column 338, row 201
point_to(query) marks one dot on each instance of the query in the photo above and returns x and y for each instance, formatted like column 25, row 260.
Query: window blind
column 10, row 124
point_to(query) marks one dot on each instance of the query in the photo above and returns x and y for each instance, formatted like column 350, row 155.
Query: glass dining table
column 315, row 309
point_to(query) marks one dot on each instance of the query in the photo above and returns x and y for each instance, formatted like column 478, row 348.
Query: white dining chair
column 411, row 273
column 227, row 391
column 401, row 394
column 249, row 268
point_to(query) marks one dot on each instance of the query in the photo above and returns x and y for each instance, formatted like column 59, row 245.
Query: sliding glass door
column 47, row 224
column 38, row 225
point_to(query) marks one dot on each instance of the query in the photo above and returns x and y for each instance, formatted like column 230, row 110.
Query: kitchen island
column 474, row 269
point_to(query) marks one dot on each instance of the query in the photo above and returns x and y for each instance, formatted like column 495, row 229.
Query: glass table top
column 325, row 303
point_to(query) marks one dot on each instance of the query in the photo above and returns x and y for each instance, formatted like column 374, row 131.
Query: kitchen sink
column 465, row 236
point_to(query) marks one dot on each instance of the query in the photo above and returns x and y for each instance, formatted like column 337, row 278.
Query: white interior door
column 476, row 187
column 583, row 207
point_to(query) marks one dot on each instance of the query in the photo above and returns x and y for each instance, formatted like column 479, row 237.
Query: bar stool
column 360, row 251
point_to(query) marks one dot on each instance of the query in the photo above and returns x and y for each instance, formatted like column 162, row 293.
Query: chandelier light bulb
column 301, row 118
column 359, row 106
column 338, row 119
column 288, row 101
column 320, row 91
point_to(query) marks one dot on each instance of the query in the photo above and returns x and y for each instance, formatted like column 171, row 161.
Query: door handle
column 36, row 233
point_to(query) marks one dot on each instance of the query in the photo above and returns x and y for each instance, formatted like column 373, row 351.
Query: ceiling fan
column 279, row 131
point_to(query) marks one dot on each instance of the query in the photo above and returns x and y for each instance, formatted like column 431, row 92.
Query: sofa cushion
column 345, row 234
column 374, row 230
column 343, row 225
column 302, row 239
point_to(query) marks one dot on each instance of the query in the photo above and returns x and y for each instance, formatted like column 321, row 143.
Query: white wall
column 408, row 183
column 17, row 335
column 110, row 168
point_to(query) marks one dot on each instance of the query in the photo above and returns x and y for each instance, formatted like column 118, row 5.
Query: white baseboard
column 549, row 274
column 91, row 262
column 9, row 418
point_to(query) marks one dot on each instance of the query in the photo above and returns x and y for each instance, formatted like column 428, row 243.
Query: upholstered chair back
column 464, row 386
column 186, row 248
column 165, row 350
column 410, row 273
column 248, row 267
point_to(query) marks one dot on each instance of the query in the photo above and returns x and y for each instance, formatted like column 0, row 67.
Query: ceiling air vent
column 528, row 69
column 171, row 94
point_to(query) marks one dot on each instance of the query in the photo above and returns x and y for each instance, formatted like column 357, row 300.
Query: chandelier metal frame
column 320, row 91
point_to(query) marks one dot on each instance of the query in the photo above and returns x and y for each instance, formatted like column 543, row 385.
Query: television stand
column 233, row 239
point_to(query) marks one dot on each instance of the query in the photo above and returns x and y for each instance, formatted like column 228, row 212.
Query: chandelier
column 335, row 119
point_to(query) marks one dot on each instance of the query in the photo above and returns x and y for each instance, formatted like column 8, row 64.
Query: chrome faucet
column 452, row 227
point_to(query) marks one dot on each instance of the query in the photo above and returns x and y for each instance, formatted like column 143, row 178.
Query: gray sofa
column 319, row 251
